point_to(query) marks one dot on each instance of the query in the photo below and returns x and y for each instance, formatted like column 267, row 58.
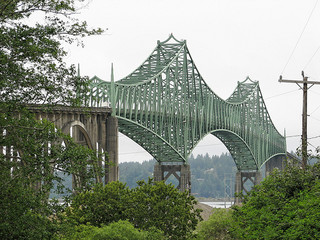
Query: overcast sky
column 228, row 41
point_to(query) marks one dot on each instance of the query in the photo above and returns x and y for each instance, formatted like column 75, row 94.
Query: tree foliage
column 284, row 206
column 218, row 226
column 132, row 172
column 208, row 174
column 32, row 71
column 100, row 205
column 150, row 205
column 156, row 204
column 31, row 53
column 121, row 230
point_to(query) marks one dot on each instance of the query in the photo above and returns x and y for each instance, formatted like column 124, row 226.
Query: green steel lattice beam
column 167, row 108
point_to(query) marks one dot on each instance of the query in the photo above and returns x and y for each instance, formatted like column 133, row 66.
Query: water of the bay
column 218, row 204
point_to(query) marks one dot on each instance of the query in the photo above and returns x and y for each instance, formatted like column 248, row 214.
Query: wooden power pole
column 305, row 88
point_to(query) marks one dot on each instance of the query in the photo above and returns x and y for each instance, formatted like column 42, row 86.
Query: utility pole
column 304, row 82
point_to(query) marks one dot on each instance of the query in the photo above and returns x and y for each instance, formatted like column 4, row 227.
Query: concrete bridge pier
column 181, row 172
column 112, row 170
column 242, row 177
column 278, row 162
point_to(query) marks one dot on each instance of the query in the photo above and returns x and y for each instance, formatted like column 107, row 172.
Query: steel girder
column 167, row 108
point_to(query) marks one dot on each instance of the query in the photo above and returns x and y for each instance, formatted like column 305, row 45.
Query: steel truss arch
column 238, row 148
column 168, row 100
column 158, row 147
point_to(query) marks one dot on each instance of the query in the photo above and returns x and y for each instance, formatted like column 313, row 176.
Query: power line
column 300, row 136
column 314, row 110
column 316, row 107
column 314, row 137
column 128, row 153
column 140, row 152
column 311, row 58
column 312, row 145
column 315, row 118
column 283, row 93
column 315, row 92
column 293, row 136
column 304, row 28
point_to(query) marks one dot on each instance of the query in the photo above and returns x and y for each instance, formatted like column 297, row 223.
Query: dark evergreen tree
column 208, row 174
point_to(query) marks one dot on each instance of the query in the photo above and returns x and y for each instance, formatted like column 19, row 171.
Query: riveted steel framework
column 167, row 108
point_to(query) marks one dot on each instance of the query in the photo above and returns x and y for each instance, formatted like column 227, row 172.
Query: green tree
column 150, row 205
column 208, row 174
column 121, row 230
column 32, row 71
column 100, row 205
column 156, row 204
column 31, row 55
column 132, row 172
column 21, row 213
column 284, row 206
column 218, row 226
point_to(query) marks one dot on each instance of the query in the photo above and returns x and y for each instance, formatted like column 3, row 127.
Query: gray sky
column 228, row 41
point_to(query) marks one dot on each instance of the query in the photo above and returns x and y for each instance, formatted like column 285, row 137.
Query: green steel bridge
column 167, row 108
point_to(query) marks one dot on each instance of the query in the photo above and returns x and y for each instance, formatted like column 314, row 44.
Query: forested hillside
column 211, row 175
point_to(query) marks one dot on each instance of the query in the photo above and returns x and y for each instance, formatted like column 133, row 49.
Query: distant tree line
column 209, row 174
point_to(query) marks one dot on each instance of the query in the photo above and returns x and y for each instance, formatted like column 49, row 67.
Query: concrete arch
column 274, row 157
column 76, row 123
column 277, row 161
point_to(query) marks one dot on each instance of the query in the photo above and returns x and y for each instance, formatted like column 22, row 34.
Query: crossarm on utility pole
column 297, row 81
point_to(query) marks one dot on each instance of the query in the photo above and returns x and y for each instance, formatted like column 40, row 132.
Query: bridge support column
column 112, row 170
column 163, row 172
column 275, row 162
column 185, row 178
column 158, row 174
column 254, row 177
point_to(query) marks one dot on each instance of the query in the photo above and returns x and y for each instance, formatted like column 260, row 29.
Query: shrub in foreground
column 286, row 205
column 150, row 205
column 121, row 230
column 218, row 226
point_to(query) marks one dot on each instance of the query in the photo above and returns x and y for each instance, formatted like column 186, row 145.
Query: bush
column 218, row 225
column 22, row 213
column 121, row 230
column 101, row 205
column 150, row 205
column 286, row 205
column 160, row 205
